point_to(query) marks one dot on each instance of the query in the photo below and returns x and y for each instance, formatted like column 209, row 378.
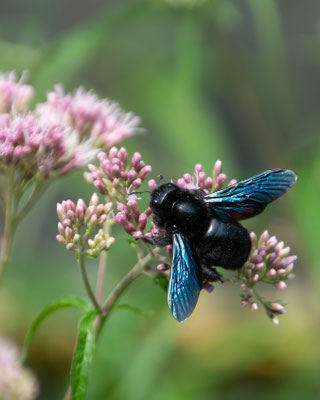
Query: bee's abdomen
column 224, row 245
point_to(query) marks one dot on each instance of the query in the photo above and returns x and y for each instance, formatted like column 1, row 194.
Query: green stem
column 39, row 188
column 8, row 227
column 102, row 263
column 134, row 273
column 259, row 298
column 87, row 283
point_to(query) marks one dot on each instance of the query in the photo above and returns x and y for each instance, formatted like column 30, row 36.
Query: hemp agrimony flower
column 270, row 262
column 116, row 177
column 14, row 94
column 79, row 224
column 99, row 119
column 16, row 381
column 64, row 133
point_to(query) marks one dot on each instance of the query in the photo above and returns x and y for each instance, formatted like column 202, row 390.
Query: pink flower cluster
column 130, row 218
column 33, row 145
column 270, row 262
column 201, row 181
column 99, row 119
column 16, row 381
column 115, row 177
column 79, row 222
column 64, row 133
column 14, row 95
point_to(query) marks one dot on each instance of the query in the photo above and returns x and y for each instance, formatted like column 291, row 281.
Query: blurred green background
column 218, row 79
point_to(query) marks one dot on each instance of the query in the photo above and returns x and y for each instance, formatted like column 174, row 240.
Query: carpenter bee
column 204, row 231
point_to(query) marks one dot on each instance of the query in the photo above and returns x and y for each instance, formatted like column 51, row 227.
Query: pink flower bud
column 259, row 267
column 152, row 184
column 253, row 238
column 275, row 320
column 121, row 219
column 281, row 271
column 70, row 246
column 135, row 161
column 107, row 207
column 68, row 233
column 208, row 183
column 255, row 278
column 284, row 252
column 71, row 205
column 102, row 244
column 61, row 239
column 99, row 209
column 137, row 183
column 142, row 221
column 198, row 168
column 217, row 168
column 254, row 306
column 132, row 175
column 61, row 228
column 278, row 308
column 181, row 183
column 263, row 238
column 129, row 228
column 232, row 182
column 208, row 287
column 137, row 234
column 162, row 267
column 188, row 178
column 220, row 180
column 100, row 186
column 289, row 268
column 110, row 241
column 94, row 201
column 123, row 155
column 67, row 222
column 201, row 176
column 145, row 172
column 113, row 152
column 290, row 259
column 271, row 273
column 92, row 168
column 102, row 219
column 281, row 285
column 93, row 220
column 60, row 212
column 244, row 303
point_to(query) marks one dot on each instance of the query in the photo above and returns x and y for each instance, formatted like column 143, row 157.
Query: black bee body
column 215, row 243
column 204, row 231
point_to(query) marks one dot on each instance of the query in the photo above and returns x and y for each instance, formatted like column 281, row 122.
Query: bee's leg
column 157, row 240
column 210, row 274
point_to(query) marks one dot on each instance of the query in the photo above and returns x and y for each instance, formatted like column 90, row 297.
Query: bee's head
column 162, row 198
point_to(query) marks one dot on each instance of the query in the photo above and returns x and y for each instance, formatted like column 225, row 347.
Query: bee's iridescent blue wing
column 184, row 285
column 248, row 198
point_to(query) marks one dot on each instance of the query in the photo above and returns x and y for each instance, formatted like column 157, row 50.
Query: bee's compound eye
column 154, row 204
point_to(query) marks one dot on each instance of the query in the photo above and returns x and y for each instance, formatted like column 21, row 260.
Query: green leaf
column 83, row 355
column 136, row 310
column 64, row 302
column 161, row 281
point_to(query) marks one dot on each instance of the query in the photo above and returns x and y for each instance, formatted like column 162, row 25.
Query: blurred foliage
column 220, row 79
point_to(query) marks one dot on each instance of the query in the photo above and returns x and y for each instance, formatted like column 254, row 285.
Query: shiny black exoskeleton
column 215, row 243
column 204, row 231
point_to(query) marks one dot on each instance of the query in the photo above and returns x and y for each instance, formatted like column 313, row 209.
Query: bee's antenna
column 160, row 177
column 145, row 191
